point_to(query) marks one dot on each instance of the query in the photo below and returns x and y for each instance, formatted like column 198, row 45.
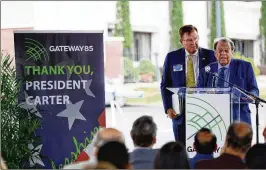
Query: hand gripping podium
column 213, row 108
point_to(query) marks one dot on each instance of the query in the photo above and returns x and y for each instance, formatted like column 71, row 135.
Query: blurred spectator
column 204, row 144
column 103, row 136
column 264, row 134
column 143, row 134
column 238, row 141
column 2, row 163
column 256, row 157
column 105, row 165
column 115, row 153
column 171, row 156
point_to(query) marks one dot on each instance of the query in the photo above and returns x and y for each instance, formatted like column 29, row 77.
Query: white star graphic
column 72, row 113
column 30, row 108
column 35, row 158
column 87, row 88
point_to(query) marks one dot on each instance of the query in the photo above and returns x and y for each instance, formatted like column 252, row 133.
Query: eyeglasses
column 190, row 40
column 226, row 50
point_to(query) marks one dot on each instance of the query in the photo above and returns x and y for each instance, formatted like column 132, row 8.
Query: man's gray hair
column 224, row 39
column 143, row 131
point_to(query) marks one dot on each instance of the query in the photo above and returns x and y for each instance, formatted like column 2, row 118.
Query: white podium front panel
column 207, row 110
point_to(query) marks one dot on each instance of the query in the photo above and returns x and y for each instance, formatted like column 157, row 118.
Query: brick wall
column 114, row 58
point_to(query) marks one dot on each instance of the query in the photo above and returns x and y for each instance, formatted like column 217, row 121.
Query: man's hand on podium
column 171, row 113
column 249, row 98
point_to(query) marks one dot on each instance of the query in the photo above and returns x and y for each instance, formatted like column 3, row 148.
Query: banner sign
column 211, row 111
column 66, row 90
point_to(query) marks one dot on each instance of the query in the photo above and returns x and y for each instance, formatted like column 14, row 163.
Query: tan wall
column 7, row 41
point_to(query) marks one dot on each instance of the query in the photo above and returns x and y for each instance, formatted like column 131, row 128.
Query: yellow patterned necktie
column 190, row 73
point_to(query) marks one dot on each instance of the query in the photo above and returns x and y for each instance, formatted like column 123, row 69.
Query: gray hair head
column 143, row 131
column 224, row 39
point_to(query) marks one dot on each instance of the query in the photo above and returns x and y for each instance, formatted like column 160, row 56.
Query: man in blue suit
column 235, row 71
column 181, row 69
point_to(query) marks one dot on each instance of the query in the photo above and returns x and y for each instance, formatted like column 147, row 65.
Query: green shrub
column 242, row 57
column 130, row 73
column 146, row 66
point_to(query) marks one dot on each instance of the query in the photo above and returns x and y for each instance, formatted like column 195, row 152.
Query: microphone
column 255, row 98
column 214, row 75
column 207, row 70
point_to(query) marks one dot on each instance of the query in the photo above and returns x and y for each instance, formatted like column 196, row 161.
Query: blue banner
column 66, row 90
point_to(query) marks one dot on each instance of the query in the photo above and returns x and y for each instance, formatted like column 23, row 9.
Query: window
column 142, row 45
column 208, row 10
column 110, row 32
column 245, row 47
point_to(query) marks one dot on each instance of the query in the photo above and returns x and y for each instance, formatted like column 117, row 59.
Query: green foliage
column 146, row 66
column 122, row 25
column 17, row 125
column 176, row 23
column 250, row 60
column 130, row 73
column 213, row 22
column 263, row 30
column 128, row 67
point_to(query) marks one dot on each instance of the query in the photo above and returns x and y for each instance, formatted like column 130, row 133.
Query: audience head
column 239, row 137
column 115, row 153
column 256, row 157
column 205, row 142
column 171, row 156
column 2, row 163
column 143, row 132
column 106, row 135
column 264, row 134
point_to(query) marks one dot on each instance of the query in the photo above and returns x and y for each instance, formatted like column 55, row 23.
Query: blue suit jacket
column 177, row 79
column 198, row 157
column 242, row 75
column 143, row 158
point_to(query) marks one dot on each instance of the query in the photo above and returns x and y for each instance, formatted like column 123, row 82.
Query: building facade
column 149, row 21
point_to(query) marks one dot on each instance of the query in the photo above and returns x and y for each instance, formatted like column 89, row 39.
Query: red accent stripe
column 101, row 119
column 83, row 156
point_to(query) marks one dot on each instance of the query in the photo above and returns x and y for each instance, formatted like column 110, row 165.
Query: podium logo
column 35, row 50
column 202, row 114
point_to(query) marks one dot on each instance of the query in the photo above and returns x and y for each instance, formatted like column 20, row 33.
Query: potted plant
column 146, row 71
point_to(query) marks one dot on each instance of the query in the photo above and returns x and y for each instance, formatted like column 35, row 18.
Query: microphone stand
column 255, row 98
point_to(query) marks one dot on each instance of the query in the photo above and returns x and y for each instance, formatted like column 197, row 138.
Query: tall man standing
column 181, row 69
column 238, row 72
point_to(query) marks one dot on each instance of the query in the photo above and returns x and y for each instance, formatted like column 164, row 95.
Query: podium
column 212, row 108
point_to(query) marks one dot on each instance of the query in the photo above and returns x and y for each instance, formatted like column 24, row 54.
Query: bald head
column 107, row 135
column 264, row 134
column 239, row 136
column 205, row 141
